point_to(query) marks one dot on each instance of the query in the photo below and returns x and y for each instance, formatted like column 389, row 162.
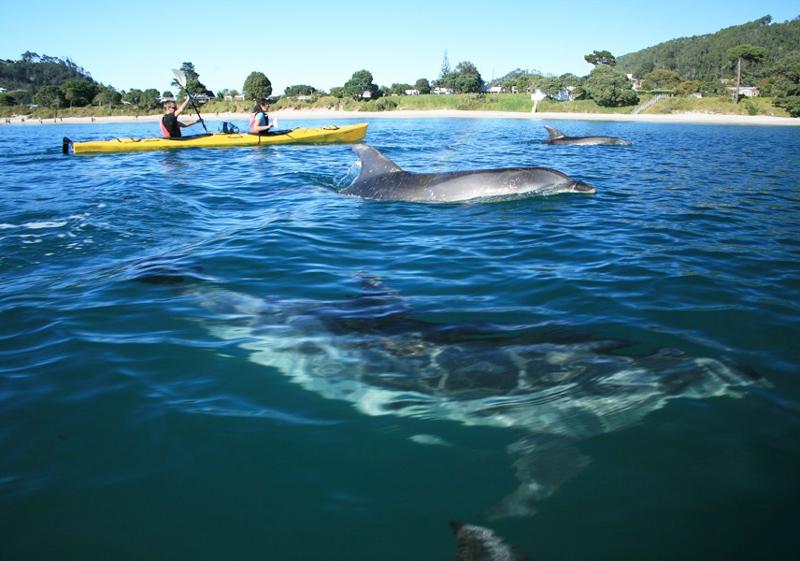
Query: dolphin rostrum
column 558, row 137
column 382, row 179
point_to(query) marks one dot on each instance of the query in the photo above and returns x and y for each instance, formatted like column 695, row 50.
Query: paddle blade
column 180, row 77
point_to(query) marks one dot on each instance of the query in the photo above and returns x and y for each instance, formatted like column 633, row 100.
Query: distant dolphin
column 558, row 137
column 382, row 179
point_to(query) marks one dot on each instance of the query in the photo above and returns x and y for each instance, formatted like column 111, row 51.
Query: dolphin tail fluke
column 554, row 133
column 544, row 463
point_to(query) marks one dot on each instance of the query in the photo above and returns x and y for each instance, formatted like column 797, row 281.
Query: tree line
column 758, row 53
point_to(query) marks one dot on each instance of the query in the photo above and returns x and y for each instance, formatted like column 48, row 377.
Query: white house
column 747, row 91
column 442, row 91
column 636, row 84
column 567, row 94
column 237, row 97
column 411, row 92
column 496, row 89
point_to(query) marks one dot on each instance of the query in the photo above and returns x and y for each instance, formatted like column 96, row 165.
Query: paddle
column 180, row 78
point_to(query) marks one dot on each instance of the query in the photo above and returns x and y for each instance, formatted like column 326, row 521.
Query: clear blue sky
column 136, row 44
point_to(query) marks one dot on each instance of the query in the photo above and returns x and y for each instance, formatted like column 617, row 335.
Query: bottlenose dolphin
column 382, row 179
column 558, row 137
column 551, row 384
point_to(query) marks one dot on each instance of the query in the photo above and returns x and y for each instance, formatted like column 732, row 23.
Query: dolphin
column 551, row 385
column 478, row 543
column 558, row 137
column 382, row 179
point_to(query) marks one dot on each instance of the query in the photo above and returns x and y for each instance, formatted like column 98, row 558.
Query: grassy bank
column 716, row 105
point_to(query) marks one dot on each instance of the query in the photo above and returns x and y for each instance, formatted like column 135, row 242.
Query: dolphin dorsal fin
column 554, row 132
column 373, row 163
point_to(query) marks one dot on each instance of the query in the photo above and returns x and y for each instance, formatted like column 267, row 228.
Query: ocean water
column 211, row 354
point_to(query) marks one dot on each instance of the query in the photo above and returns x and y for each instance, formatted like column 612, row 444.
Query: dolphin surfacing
column 382, row 179
column 555, row 136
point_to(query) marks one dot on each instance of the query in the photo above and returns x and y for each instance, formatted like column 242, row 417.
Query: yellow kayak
column 332, row 133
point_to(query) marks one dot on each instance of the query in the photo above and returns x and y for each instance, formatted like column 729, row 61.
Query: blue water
column 210, row 354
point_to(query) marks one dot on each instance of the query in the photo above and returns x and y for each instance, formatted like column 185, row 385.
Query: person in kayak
column 259, row 120
column 170, row 125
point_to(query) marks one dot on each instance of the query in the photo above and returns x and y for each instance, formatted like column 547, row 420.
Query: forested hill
column 33, row 71
column 704, row 57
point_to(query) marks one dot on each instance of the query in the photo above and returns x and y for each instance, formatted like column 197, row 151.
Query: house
column 442, row 91
column 697, row 95
column 567, row 94
column 411, row 92
column 514, row 89
column 496, row 89
column 237, row 97
column 366, row 95
column 747, row 91
column 304, row 97
column 636, row 84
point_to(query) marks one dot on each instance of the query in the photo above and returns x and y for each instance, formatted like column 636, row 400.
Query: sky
column 135, row 45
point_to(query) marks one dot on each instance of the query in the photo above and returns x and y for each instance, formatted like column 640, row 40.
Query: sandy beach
column 321, row 114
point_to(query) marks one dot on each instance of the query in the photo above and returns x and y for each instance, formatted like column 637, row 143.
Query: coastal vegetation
column 705, row 73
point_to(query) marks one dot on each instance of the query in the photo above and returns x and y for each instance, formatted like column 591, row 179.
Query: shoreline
column 318, row 114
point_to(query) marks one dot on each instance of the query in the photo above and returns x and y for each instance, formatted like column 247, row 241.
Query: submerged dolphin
column 558, row 137
column 477, row 543
column 552, row 385
column 382, row 179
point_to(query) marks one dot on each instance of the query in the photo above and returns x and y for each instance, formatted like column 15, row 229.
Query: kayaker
column 259, row 120
column 170, row 125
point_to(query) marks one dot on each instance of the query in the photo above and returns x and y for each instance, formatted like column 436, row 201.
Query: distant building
column 636, row 84
column 567, row 94
column 697, row 95
column 747, row 91
column 237, row 97
column 305, row 97
column 411, row 92
column 496, row 89
column 514, row 89
column 442, row 91
column 366, row 95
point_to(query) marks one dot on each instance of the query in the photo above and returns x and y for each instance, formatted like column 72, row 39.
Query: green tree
column 149, row 99
column 466, row 78
column 399, row 89
column 791, row 104
column 661, row 79
column 107, row 96
column 423, row 85
column 600, row 57
column 299, row 89
column 132, row 96
column 257, row 85
column 7, row 100
column 609, row 88
column 338, row 92
column 78, row 93
column 166, row 94
column 744, row 53
column 193, row 84
column 688, row 87
column 359, row 83
column 49, row 96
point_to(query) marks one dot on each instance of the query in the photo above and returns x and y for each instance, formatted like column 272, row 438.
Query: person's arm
column 182, row 106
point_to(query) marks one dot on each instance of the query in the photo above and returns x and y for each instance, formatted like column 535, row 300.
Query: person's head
column 261, row 105
column 170, row 106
